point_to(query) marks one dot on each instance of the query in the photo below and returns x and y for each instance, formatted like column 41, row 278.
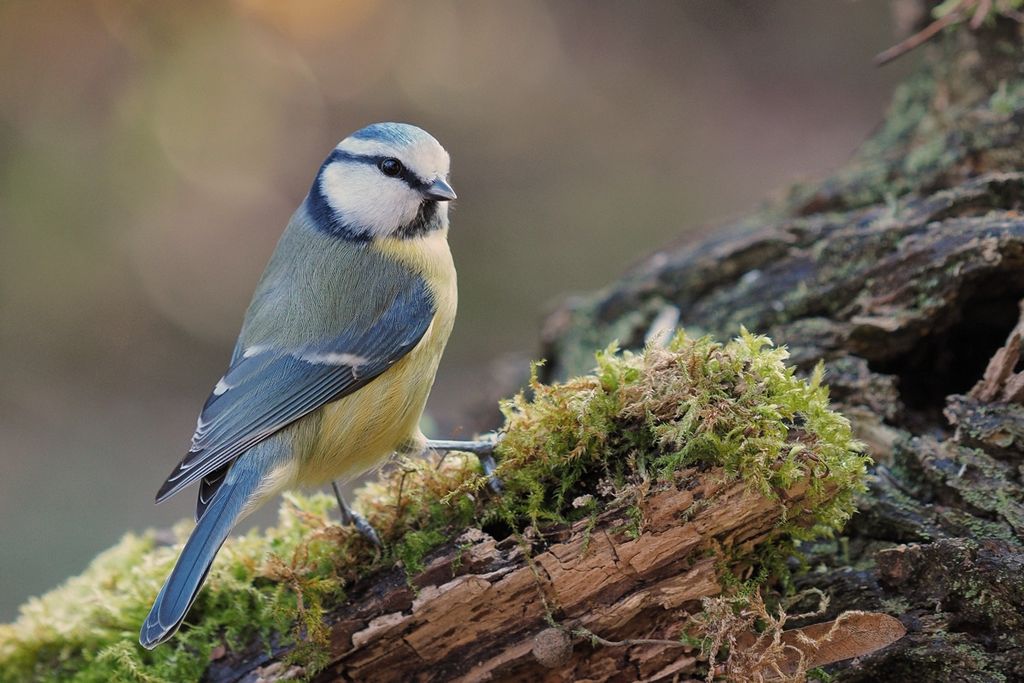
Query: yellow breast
column 359, row 431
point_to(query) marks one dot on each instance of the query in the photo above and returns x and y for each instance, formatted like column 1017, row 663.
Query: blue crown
column 392, row 133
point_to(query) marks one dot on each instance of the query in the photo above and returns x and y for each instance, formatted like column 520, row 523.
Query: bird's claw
column 482, row 448
column 350, row 517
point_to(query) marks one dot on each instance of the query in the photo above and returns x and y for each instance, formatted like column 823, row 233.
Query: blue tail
column 182, row 586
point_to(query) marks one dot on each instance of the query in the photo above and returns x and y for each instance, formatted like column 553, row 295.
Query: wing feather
column 270, row 388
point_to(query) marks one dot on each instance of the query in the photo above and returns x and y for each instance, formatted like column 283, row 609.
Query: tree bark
column 904, row 273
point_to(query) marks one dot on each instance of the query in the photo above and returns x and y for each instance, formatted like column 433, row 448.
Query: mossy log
column 479, row 610
column 904, row 273
column 650, row 501
column 551, row 602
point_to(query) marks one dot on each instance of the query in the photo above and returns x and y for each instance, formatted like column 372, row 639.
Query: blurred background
column 151, row 153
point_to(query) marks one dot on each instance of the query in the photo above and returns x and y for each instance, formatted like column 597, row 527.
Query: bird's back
column 315, row 287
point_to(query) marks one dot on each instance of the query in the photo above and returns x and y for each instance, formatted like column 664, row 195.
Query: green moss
column 275, row 581
column 820, row 675
column 568, row 450
column 1007, row 99
column 412, row 548
column 995, row 10
column 925, row 156
column 697, row 403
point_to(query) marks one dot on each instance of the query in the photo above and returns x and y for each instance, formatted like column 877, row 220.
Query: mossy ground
column 637, row 419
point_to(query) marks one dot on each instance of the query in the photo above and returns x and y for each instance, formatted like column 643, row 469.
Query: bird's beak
column 440, row 191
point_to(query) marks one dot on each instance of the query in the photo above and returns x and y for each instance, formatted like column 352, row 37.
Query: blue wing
column 268, row 388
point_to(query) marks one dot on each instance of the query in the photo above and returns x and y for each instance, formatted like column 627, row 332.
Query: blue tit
column 337, row 352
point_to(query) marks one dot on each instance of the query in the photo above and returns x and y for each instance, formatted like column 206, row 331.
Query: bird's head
column 385, row 180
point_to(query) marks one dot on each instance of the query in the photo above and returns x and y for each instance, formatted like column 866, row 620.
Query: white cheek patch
column 366, row 200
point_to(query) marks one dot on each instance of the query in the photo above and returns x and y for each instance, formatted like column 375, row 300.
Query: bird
column 337, row 352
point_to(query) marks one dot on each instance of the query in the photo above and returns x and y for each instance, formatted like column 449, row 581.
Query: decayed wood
column 478, row 607
column 852, row 634
column 1000, row 383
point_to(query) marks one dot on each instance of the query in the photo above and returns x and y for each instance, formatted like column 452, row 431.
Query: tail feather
column 189, row 573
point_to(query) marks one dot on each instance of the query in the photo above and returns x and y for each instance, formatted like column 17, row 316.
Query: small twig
column 923, row 36
column 406, row 471
column 980, row 12
column 587, row 633
column 401, row 488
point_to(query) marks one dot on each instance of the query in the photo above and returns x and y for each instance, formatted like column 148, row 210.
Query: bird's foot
column 483, row 449
column 350, row 517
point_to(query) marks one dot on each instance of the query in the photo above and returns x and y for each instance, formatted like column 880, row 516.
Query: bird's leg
column 350, row 517
column 482, row 449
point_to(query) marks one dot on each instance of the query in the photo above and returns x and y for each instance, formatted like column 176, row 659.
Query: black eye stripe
column 333, row 222
column 410, row 178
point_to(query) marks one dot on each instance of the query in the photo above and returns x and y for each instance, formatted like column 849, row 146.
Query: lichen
column 602, row 439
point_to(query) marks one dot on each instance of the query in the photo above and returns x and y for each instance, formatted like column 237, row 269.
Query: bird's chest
column 357, row 432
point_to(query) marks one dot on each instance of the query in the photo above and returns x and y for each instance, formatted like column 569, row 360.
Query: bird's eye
column 390, row 167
